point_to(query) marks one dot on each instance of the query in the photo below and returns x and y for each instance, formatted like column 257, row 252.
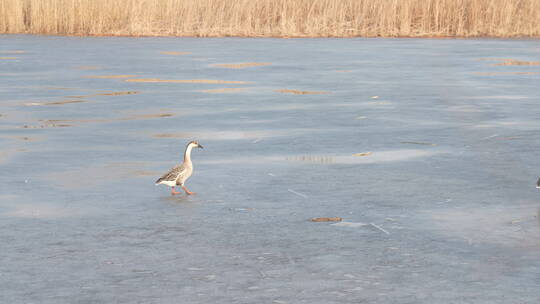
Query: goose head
column 194, row 144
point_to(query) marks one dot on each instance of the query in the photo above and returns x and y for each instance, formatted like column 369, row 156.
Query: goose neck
column 187, row 154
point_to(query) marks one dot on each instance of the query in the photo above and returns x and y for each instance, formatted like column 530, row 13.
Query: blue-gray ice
column 428, row 149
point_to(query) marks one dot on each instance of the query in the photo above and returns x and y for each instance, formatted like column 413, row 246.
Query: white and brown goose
column 178, row 175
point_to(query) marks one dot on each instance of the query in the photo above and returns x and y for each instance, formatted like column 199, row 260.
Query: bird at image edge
column 178, row 175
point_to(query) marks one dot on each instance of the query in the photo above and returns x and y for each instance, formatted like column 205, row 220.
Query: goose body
column 178, row 175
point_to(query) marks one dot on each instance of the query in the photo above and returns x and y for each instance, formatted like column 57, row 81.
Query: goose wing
column 172, row 174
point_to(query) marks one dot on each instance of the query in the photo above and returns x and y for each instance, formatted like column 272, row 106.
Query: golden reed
column 274, row 18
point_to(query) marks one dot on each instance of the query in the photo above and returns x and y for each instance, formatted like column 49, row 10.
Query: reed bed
column 273, row 18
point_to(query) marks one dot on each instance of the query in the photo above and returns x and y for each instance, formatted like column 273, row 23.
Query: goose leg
column 173, row 192
column 187, row 191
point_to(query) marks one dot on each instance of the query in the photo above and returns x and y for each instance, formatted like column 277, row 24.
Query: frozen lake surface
column 439, row 203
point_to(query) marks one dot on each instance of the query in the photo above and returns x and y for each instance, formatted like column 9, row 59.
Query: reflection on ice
column 374, row 157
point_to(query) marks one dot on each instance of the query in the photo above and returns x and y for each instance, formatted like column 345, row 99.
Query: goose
column 178, row 175
column 538, row 183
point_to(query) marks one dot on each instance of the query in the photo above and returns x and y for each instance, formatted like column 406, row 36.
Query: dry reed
column 274, row 18
column 518, row 62
column 298, row 92
column 210, row 81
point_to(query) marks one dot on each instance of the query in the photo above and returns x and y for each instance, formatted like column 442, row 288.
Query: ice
column 443, row 210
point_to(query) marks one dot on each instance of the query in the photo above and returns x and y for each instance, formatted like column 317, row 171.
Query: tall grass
column 274, row 18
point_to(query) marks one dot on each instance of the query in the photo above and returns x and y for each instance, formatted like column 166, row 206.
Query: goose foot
column 187, row 191
column 173, row 192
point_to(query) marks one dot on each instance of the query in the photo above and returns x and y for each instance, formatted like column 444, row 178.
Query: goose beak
column 199, row 146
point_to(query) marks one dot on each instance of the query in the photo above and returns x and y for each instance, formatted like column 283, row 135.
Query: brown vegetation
column 363, row 154
column 79, row 98
column 518, row 62
column 274, row 18
column 210, row 81
column 61, row 102
column 326, row 219
column 106, row 94
column 297, row 92
column 53, row 103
